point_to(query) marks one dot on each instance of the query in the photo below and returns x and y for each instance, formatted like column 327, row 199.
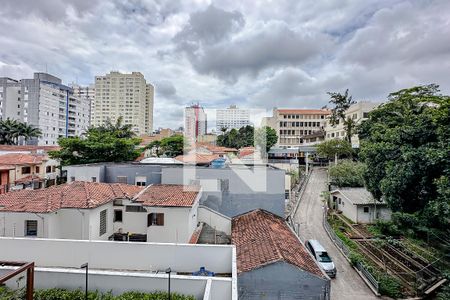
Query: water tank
column 218, row 163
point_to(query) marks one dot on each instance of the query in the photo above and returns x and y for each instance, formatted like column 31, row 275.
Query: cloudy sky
column 256, row 54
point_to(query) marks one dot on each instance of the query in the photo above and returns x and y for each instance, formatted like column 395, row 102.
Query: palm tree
column 12, row 130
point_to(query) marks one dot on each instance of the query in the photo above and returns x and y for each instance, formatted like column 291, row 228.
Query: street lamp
column 86, row 266
column 168, row 271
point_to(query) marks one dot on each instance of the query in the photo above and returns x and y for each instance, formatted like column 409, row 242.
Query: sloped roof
column 77, row 194
column 357, row 196
column 197, row 158
column 22, row 159
column 30, row 148
column 172, row 195
column 262, row 238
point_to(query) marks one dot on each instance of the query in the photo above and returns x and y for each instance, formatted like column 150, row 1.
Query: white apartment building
column 124, row 95
column 195, row 122
column 46, row 103
column 358, row 112
column 294, row 126
column 85, row 92
column 232, row 117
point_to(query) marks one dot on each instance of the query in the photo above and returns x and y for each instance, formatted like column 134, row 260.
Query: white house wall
column 132, row 222
column 175, row 227
column 214, row 219
column 13, row 224
column 348, row 209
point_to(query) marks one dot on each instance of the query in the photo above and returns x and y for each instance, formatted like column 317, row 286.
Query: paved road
column 347, row 284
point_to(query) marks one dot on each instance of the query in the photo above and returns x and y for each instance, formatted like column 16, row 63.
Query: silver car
column 322, row 257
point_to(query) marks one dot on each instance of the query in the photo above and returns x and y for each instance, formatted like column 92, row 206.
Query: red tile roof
column 7, row 167
column 304, row 111
column 31, row 148
column 29, row 178
column 22, row 159
column 197, row 158
column 246, row 151
column 262, row 238
column 77, row 194
column 168, row 195
column 215, row 149
column 196, row 234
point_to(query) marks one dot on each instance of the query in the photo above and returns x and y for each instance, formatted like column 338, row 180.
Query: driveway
column 347, row 284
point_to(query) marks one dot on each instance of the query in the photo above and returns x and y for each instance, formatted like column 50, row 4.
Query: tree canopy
column 405, row 144
column 247, row 136
column 11, row 131
column 266, row 137
column 341, row 103
column 330, row 148
column 348, row 173
column 107, row 143
column 169, row 147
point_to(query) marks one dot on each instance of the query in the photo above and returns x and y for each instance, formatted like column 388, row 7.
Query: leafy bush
column 389, row 286
column 355, row 258
column 348, row 173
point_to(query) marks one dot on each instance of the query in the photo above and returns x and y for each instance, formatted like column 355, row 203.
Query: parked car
column 322, row 257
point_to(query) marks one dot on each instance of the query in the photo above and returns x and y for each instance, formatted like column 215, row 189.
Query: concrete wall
column 13, row 224
column 120, row 282
column 85, row 172
column 214, row 219
column 151, row 172
column 382, row 212
column 118, row 255
column 281, row 281
column 248, row 188
column 348, row 209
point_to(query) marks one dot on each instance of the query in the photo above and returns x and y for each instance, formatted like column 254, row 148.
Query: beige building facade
column 293, row 126
column 358, row 112
column 124, row 95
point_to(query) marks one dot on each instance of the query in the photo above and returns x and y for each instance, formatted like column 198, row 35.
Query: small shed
column 359, row 205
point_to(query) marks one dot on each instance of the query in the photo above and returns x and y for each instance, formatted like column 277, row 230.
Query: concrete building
column 87, row 93
column 124, row 95
column 232, row 117
column 232, row 190
column 195, row 122
column 272, row 263
column 46, row 103
column 358, row 205
column 358, row 112
column 295, row 126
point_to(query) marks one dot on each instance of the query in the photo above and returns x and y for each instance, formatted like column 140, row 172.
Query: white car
column 322, row 257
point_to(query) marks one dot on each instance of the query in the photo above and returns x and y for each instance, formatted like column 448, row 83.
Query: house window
column 366, row 209
column 103, row 222
column 134, row 208
column 155, row 219
column 94, row 179
column 72, row 178
column 26, row 170
column 31, row 227
column 141, row 180
column 48, row 169
column 339, row 200
column 37, row 169
column 117, row 215
column 122, row 179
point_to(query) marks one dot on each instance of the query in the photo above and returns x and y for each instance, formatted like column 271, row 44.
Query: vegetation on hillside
column 111, row 142
column 334, row 148
column 347, row 173
column 12, row 131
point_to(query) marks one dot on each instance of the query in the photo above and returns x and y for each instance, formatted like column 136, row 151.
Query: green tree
column 11, row 131
column 172, row 146
column 237, row 138
column 405, row 144
column 341, row 103
column 265, row 137
column 99, row 144
column 156, row 146
column 335, row 148
column 348, row 173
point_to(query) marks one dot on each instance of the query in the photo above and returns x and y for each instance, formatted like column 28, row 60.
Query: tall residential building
column 358, row 112
column 232, row 117
column 195, row 122
column 124, row 95
column 295, row 126
column 46, row 103
column 85, row 92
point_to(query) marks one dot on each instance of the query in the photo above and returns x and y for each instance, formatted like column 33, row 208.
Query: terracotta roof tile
column 196, row 234
column 262, row 238
column 197, row 158
column 22, row 159
column 77, row 194
column 168, row 195
column 29, row 178
column 31, row 148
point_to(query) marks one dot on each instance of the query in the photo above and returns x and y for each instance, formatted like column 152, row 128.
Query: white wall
column 348, row 209
column 133, row 222
column 214, row 219
column 118, row 255
column 176, row 225
column 120, row 282
column 13, row 224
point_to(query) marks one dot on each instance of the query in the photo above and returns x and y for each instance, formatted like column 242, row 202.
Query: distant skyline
column 255, row 54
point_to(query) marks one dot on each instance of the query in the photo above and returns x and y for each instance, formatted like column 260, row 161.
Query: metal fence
column 340, row 244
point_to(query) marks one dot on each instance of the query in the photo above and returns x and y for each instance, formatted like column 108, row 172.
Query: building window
column 339, row 200
column 103, row 222
column 94, row 179
column 48, row 169
column 366, row 209
column 72, row 178
column 141, row 180
column 134, row 208
column 365, row 115
column 122, row 179
column 118, row 215
column 37, row 169
column 26, row 170
column 31, row 227
column 155, row 219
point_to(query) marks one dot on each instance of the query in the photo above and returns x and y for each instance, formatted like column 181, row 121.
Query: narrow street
column 347, row 284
